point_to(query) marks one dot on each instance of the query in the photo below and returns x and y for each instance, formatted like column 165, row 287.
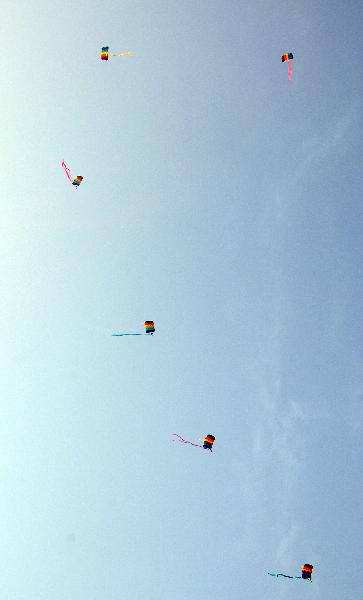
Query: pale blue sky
column 225, row 203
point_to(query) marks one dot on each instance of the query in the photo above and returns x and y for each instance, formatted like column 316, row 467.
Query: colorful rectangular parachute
column 77, row 180
column 306, row 571
column 288, row 56
column 104, row 53
column 149, row 327
column 208, row 442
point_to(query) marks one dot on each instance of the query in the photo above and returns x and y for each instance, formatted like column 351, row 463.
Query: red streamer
column 66, row 170
column 289, row 70
column 183, row 441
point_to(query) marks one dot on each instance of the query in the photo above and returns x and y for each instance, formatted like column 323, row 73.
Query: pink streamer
column 183, row 441
column 66, row 170
column 289, row 70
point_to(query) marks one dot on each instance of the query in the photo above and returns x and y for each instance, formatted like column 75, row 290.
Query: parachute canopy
column 104, row 53
column 149, row 327
column 77, row 180
column 208, row 441
column 306, row 571
column 288, row 56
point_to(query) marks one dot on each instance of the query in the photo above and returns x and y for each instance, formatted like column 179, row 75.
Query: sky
column 225, row 203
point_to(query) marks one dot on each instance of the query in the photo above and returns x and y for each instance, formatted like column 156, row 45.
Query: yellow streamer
column 129, row 53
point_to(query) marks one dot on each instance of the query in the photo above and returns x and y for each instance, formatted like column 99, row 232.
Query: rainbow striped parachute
column 77, row 180
column 149, row 327
column 208, row 442
column 306, row 571
column 104, row 53
column 288, row 56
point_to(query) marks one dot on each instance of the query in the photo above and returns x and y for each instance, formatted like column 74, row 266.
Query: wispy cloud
column 335, row 140
column 288, row 540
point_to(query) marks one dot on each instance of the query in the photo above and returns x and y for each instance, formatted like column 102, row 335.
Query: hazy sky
column 224, row 203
